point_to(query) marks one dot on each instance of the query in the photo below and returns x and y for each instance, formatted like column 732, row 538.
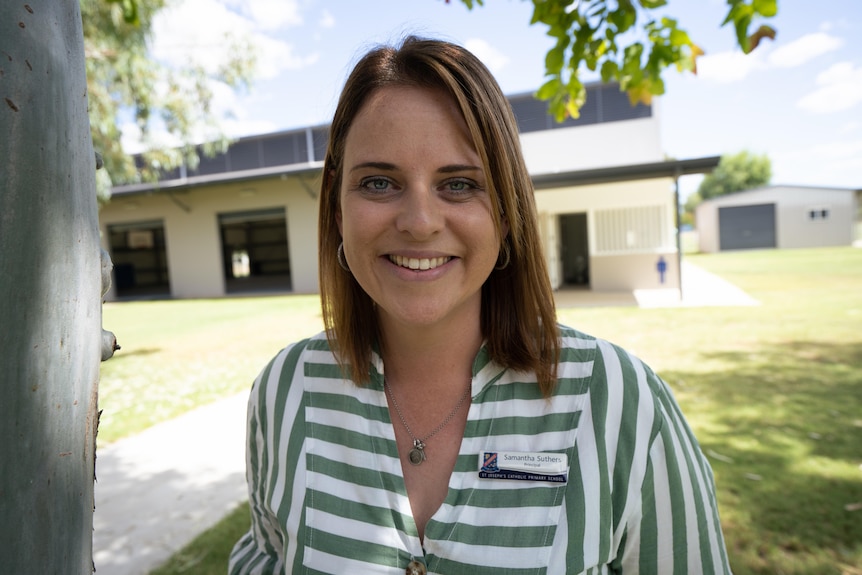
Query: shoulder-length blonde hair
column 518, row 318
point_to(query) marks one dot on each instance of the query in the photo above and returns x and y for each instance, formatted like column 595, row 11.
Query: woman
column 444, row 423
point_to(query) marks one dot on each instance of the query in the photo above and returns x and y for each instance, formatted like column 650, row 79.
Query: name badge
column 524, row 466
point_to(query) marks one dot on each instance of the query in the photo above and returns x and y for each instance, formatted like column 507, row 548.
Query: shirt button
column 415, row 568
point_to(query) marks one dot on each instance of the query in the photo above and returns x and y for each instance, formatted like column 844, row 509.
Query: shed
column 777, row 217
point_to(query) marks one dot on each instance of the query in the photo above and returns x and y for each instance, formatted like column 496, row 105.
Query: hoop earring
column 507, row 254
column 339, row 255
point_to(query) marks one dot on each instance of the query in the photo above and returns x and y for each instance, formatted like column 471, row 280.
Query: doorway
column 575, row 249
column 255, row 252
column 140, row 259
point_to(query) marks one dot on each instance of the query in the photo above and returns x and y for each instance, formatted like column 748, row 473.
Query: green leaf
column 679, row 38
column 766, row 8
column 554, row 59
column 130, row 10
column 550, row 88
column 651, row 4
column 623, row 19
column 572, row 109
column 742, row 35
column 610, row 70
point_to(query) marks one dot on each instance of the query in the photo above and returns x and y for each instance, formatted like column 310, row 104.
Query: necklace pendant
column 417, row 454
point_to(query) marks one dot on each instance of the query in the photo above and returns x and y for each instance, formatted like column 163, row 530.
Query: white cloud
column 734, row 66
column 850, row 127
column 327, row 20
column 177, row 43
column 839, row 88
column 275, row 56
column 728, row 67
column 843, row 155
column 208, row 43
column 804, row 49
column 269, row 14
column 829, row 163
column 490, row 56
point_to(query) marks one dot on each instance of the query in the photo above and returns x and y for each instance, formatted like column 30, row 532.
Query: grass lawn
column 774, row 393
column 177, row 355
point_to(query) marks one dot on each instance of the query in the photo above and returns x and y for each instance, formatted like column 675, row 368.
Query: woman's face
column 415, row 214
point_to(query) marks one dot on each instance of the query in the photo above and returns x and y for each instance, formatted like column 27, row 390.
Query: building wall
column 794, row 226
column 593, row 146
column 192, row 233
column 635, row 271
column 620, row 136
column 630, row 226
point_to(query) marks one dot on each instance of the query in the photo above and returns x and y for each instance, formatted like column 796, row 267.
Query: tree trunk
column 50, row 309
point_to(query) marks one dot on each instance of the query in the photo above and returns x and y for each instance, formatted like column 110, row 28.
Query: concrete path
column 158, row 490
column 700, row 288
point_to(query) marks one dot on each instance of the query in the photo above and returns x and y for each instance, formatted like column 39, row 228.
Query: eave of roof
column 607, row 175
column 219, row 178
column 667, row 169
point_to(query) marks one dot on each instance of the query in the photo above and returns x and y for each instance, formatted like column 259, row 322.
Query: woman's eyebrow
column 386, row 166
column 459, row 168
column 375, row 165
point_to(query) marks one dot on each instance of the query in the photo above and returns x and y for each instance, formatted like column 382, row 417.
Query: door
column 746, row 227
column 255, row 251
column 575, row 249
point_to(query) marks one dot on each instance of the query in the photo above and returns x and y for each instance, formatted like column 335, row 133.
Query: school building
column 246, row 221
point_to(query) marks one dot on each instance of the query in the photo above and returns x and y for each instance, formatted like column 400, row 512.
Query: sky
column 797, row 99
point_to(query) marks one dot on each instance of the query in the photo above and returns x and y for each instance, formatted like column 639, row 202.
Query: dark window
column 320, row 136
column 605, row 103
column 215, row 165
column 244, row 155
column 822, row 214
column 284, row 149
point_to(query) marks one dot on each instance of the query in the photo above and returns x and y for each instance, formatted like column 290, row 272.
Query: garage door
column 746, row 227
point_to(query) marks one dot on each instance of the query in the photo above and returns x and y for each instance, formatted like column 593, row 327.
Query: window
column 818, row 213
column 633, row 230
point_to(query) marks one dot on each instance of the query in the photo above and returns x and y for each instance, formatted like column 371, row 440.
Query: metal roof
column 667, row 169
column 610, row 174
column 219, row 178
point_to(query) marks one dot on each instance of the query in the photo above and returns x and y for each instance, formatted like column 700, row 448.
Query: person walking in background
column 444, row 422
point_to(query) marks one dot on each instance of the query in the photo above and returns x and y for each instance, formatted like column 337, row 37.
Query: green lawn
column 774, row 393
column 177, row 355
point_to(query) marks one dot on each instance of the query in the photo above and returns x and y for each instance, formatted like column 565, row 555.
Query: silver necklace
column 417, row 454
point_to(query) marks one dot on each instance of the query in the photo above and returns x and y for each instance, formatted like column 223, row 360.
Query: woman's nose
column 420, row 212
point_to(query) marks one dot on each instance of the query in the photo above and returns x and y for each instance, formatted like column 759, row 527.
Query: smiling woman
column 444, row 423
column 415, row 215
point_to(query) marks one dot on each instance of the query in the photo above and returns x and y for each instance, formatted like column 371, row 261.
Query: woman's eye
column 375, row 184
column 460, row 186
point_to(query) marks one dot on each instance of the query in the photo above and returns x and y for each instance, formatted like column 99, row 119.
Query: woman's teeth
column 418, row 263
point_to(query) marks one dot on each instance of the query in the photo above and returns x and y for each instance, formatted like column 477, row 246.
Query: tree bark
column 50, row 309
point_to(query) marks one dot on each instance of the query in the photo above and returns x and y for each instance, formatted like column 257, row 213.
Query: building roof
column 752, row 191
column 300, row 151
column 183, row 183
column 667, row 169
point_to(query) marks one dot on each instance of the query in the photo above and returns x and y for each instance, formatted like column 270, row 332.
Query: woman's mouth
column 418, row 263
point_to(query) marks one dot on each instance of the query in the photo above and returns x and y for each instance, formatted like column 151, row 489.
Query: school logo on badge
column 489, row 463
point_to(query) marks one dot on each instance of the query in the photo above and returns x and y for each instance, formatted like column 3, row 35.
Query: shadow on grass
column 782, row 427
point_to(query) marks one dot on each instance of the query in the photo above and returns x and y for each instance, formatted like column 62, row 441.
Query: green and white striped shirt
column 327, row 492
